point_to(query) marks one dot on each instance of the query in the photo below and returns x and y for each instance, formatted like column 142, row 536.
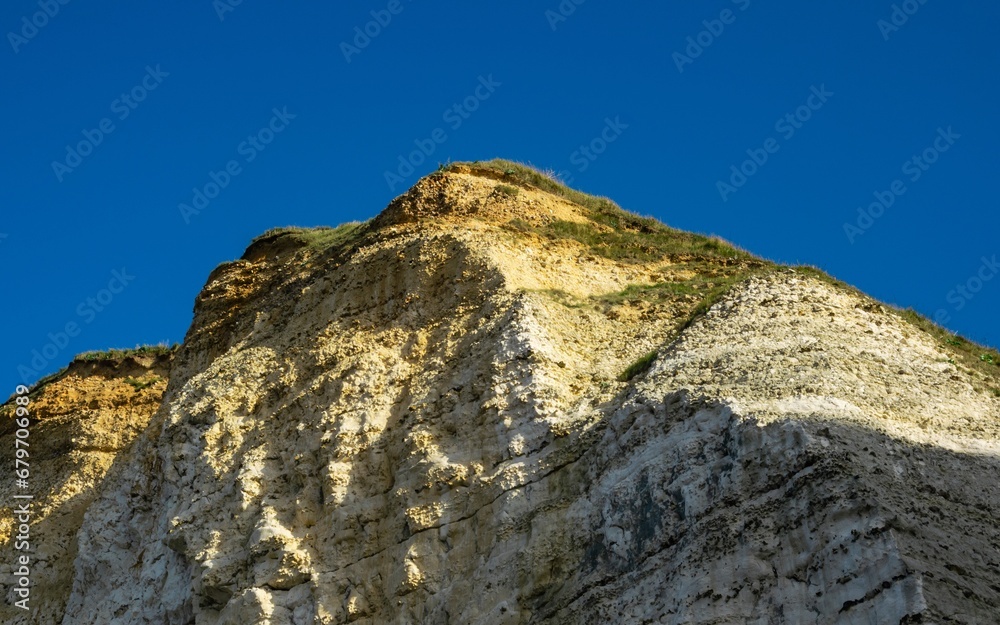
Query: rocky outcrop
column 80, row 421
column 448, row 418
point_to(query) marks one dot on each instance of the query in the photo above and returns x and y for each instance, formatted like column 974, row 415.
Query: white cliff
column 428, row 422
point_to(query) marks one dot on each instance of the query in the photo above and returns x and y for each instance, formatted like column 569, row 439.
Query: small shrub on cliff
column 638, row 367
column 506, row 189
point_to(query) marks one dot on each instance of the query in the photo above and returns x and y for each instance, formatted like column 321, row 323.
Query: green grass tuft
column 711, row 298
column 143, row 383
column 506, row 189
column 638, row 367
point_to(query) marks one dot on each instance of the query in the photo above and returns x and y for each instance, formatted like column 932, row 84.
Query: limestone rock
column 80, row 421
column 430, row 424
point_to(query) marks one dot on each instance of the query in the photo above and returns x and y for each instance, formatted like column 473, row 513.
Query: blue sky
column 114, row 115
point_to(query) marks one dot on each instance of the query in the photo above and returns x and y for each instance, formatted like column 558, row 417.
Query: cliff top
column 600, row 395
column 667, row 266
column 535, row 206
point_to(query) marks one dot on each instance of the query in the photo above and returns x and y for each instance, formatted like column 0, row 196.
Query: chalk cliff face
column 80, row 422
column 497, row 403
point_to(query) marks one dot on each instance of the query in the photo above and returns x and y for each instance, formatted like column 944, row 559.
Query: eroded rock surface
column 80, row 422
column 432, row 426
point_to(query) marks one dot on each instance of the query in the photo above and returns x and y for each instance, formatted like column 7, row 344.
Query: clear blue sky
column 682, row 116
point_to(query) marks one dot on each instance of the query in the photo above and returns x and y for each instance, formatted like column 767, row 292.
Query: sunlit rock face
column 450, row 417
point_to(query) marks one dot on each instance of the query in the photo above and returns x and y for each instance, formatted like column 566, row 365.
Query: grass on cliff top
column 615, row 233
column 969, row 354
column 546, row 181
column 115, row 356
column 317, row 239
column 119, row 355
